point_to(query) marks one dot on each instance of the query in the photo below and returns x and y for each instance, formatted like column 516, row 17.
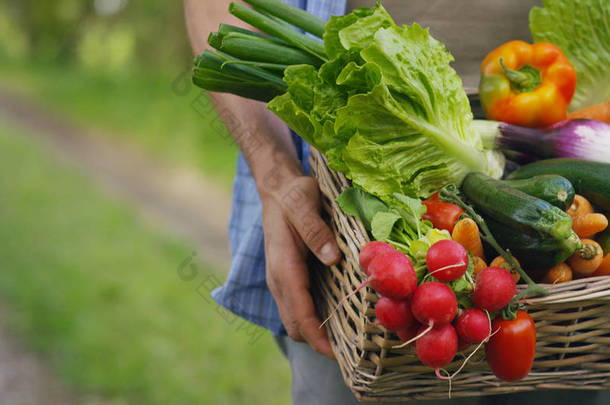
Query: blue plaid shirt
column 245, row 292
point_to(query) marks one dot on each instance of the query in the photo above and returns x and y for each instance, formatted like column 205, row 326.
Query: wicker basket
column 572, row 324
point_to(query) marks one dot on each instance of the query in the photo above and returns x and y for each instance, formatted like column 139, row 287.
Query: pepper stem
column 527, row 78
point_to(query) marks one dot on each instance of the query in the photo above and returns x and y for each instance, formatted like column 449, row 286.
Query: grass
column 162, row 113
column 97, row 292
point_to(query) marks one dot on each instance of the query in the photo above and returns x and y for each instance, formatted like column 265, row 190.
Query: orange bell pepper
column 527, row 84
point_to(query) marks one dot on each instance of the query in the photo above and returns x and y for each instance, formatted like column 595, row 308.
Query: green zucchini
column 533, row 253
column 590, row 179
column 531, row 215
column 554, row 189
column 603, row 239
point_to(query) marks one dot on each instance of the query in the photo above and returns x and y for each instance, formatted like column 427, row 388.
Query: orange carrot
column 560, row 273
column 588, row 259
column 587, row 225
column 478, row 263
column 466, row 233
column 600, row 112
column 501, row 262
column 580, row 206
column 604, row 267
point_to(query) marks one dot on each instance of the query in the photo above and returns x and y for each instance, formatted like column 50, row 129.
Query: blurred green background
column 88, row 284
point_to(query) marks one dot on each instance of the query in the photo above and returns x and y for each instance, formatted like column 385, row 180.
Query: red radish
column 494, row 288
column 473, row 326
column 370, row 250
column 447, row 260
column 393, row 314
column 437, row 347
column 434, row 303
column 410, row 332
column 392, row 275
column 462, row 344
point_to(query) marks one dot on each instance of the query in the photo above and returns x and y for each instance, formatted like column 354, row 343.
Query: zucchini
column 554, row 189
column 590, row 179
column 533, row 216
column 533, row 253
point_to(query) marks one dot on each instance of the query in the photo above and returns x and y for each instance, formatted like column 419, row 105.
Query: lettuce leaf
column 581, row 29
column 387, row 109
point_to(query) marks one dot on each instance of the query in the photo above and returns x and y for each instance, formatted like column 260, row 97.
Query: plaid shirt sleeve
column 245, row 291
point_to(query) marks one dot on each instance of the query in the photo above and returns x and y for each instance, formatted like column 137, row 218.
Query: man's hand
column 292, row 226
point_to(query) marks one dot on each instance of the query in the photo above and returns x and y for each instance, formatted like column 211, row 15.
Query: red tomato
column 510, row 352
column 443, row 215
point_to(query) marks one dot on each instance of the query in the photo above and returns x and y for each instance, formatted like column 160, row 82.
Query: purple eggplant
column 577, row 138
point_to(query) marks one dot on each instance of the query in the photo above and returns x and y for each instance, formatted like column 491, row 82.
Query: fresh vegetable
column 586, row 260
column 466, row 233
column 472, row 325
column 580, row 29
column 447, row 260
column 278, row 28
column 559, row 273
column 494, row 288
column 434, row 304
column 580, row 206
column 212, row 71
column 604, row 267
column 478, row 264
column 501, row 262
column 370, row 250
column 437, row 348
column 292, row 15
column 533, row 216
column 393, row 314
column 409, row 332
column 387, row 109
column 599, row 112
column 588, row 225
column 399, row 224
column 392, row 275
column 525, row 84
column 555, row 190
column 451, row 193
column 590, row 179
column 579, row 138
column 510, row 351
column 443, row 215
column 534, row 252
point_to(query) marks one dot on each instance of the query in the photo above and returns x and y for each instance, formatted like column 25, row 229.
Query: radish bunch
column 428, row 314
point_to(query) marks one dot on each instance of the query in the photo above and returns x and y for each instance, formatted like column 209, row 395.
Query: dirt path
column 178, row 201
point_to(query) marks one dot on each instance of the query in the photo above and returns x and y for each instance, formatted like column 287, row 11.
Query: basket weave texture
column 572, row 327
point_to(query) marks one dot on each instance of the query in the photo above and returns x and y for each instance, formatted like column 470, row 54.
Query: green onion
column 253, row 48
column 293, row 15
column 279, row 30
column 225, row 29
column 215, row 71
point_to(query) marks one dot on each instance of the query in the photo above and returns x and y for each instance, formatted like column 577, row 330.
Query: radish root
column 451, row 376
column 451, row 266
column 408, row 342
column 360, row 287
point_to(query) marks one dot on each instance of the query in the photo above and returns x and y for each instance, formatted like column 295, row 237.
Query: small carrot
column 587, row 225
column 604, row 267
column 599, row 112
column 466, row 233
column 478, row 263
column 560, row 273
column 588, row 259
column 501, row 262
column 580, row 206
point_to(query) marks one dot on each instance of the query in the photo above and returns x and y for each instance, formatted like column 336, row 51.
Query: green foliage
column 98, row 293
